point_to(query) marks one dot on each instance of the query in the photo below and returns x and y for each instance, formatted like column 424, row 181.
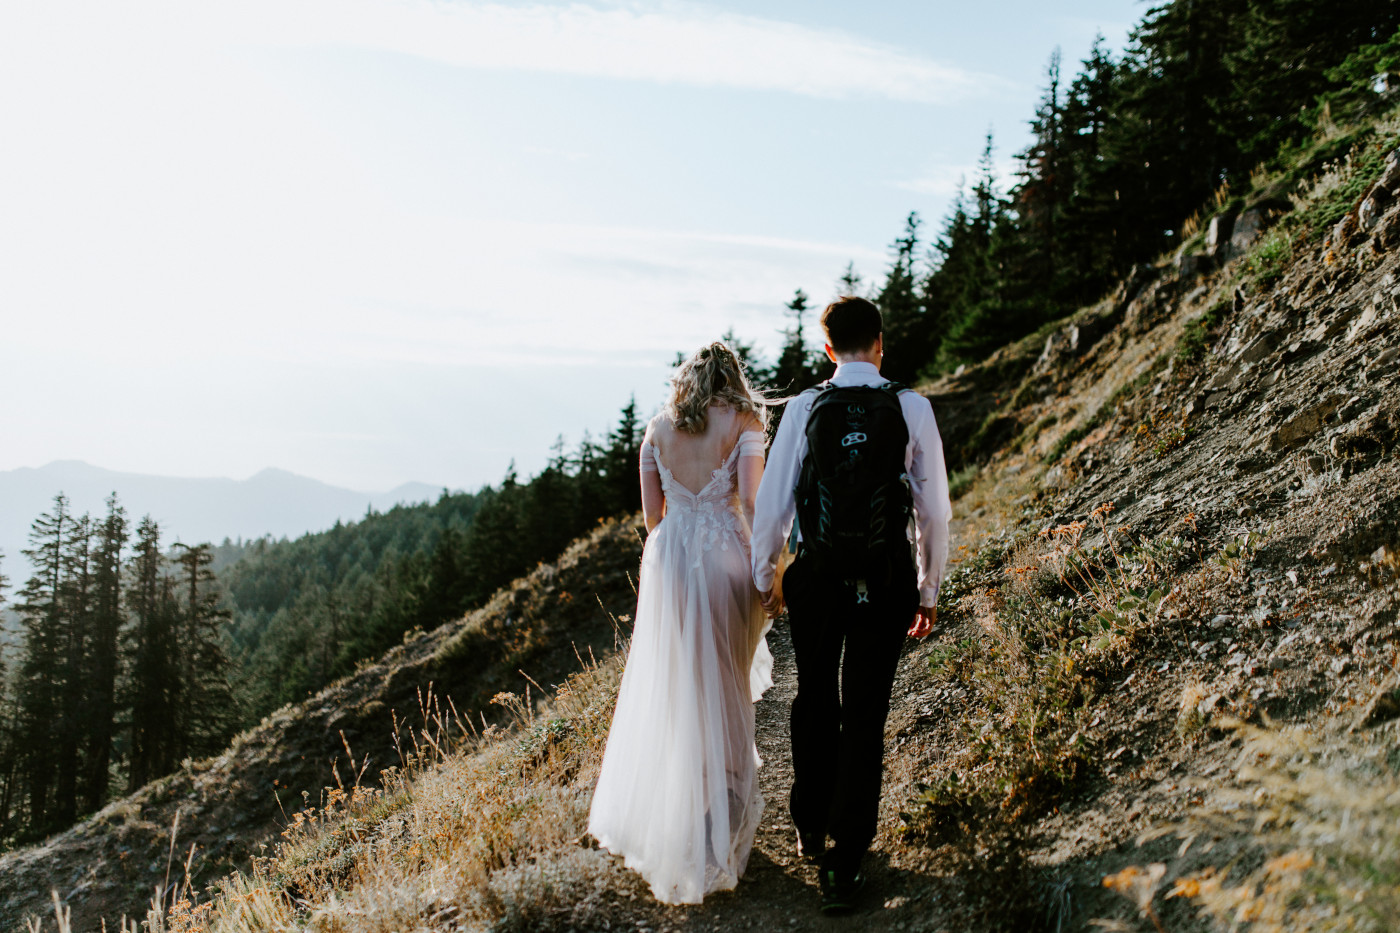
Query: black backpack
column 853, row 500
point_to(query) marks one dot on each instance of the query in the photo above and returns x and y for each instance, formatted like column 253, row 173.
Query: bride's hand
column 772, row 599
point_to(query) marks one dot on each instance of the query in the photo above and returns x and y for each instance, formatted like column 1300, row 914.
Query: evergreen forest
column 135, row 656
column 304, row 612
column 122, row 672
column 1131, row 154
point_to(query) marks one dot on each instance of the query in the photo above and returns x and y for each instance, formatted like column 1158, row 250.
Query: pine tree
column 620, row 462
column 1093, row 212
column 445, row 594
column 72, row 714
column 1167, row 146
column 153, row 695
column 590, row 468
column 496, row 549
column 206, row 716
column 795, row 369
column 8, row 762
column 1040, row 197
column 551, row 511
column 41, row 676
column 1283, row 60
column 966, row 282
column 106, row 622
column 906, row 344
column 849, row 284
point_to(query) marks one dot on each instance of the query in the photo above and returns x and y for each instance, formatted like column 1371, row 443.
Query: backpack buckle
column 862, row 592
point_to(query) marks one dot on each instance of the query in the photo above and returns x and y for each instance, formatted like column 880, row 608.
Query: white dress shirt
column 923, row 462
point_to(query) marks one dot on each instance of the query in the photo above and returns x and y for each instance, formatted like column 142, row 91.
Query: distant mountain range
column 272, row 502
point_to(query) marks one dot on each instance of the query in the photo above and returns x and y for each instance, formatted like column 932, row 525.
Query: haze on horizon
column 375, row 242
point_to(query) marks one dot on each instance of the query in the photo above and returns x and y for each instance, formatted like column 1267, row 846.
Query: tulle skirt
column 677, row 794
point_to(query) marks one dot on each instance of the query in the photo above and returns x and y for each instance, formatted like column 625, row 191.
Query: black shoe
column 810, row 846
column 839, row 891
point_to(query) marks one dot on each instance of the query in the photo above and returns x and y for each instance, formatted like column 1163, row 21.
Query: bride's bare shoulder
column 748, row 421
column 658, row 428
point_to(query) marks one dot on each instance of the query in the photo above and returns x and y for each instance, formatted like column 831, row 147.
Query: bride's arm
column 653, row 498
column 750, row 468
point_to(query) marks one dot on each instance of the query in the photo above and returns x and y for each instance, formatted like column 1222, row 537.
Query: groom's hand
column 771, row 600
column 923, row 621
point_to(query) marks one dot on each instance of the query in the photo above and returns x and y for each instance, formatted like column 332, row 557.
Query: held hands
column 772, row 599
column 924, row 621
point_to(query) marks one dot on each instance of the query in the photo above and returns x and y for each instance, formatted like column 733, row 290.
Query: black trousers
column 847, row 647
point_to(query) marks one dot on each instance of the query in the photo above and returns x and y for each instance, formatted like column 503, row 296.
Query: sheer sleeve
column 653, row 496
column 751, row 444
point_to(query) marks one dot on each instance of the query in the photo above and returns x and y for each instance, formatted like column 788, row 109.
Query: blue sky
column 374, row 241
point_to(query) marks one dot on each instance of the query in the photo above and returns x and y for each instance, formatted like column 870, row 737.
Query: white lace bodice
column 714, row 509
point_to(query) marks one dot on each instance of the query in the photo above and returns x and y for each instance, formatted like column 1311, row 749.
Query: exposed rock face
column 1247, row 228
column 1303, row 426
column 1193, row 265
column 1372, row 208
column 1390, row 176
column 1218, row 236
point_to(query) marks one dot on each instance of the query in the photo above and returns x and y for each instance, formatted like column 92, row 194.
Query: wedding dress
column 677, row 793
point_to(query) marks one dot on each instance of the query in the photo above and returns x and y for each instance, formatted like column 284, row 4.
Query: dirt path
column 779, row 891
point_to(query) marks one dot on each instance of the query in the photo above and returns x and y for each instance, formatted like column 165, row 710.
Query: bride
column 677, row 794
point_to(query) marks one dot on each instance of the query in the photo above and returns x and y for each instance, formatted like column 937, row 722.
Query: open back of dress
column 677, row 794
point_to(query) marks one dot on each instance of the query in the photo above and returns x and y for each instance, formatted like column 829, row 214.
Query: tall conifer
column 106, row 623
column 72, row 712
column 206, row 715
column 794, row 370
column 1093, row 212
column 41, row 676
column 153, row 695
column 968, row 282
column 7, row 746
column 848, row 285
column 620, row 461
column 906, row 342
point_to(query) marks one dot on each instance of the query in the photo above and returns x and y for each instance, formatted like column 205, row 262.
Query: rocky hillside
column 109, row 865
column 1171, row 669
column 1163, row 694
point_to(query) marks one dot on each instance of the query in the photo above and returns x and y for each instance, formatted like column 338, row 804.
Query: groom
column 851, row 461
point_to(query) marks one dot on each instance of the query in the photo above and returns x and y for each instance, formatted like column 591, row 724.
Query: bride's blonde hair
column 712, row 375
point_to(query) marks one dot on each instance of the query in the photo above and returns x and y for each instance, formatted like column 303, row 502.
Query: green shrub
column 959, row 481
column 1200, row 331
column 1271, row 257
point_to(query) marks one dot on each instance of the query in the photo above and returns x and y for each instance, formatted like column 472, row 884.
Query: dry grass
column 474, row 830
column 1058, row 616
column 1324, row 814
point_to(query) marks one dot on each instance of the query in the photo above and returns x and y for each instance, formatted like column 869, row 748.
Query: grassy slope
column 1181, row 695
column 109, row 865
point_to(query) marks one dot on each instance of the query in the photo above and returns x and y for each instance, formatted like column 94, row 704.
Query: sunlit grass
column 480, row 830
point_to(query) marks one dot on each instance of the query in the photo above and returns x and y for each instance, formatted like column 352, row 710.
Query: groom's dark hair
column 852, row 324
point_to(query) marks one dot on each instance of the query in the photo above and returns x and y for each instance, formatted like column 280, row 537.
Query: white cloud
column 671, row 42
column 667, row 42
column 186, row 222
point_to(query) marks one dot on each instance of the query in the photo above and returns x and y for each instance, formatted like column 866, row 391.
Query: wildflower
column 1139, row 885
column 1295, row 861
